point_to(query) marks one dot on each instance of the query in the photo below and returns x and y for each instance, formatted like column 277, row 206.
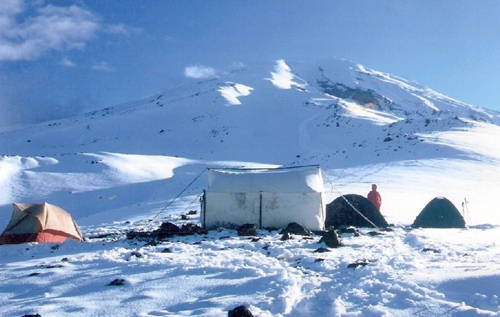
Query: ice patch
column 233, row 91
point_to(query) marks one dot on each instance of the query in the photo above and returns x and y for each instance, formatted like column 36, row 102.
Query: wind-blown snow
column 283, row 78
column 233, row 91
column 140, row 168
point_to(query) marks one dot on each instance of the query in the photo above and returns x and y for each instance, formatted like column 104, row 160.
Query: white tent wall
column 270, row 198
column 278, row 210
column 230, row 209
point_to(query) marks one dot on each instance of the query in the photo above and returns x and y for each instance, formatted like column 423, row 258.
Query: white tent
column 269, row 198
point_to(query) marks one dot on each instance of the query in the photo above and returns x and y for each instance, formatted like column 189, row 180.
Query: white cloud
column 50, row 28
column 102, row 66
column 200, row 72
column 67, row 62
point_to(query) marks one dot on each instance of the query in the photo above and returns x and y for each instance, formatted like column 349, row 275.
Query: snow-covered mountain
column 351, row 120
column 114, row 168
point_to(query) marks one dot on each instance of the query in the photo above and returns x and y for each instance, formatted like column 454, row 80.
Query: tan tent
column 39, row 223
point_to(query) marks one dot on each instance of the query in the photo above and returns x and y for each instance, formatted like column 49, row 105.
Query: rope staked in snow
column 172, row 201
column 347, row 201
column 189, row 206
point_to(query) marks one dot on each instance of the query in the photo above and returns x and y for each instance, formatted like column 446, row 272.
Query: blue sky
column 59, row 58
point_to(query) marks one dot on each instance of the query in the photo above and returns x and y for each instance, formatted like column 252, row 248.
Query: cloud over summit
column 200, row 72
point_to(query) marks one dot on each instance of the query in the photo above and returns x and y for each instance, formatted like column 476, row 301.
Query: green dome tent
column 439, row 213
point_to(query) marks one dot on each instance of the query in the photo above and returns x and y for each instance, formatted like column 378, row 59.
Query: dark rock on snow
column 295, row 228
column 341, row 214
column 331, row 239
column 321, row 250
column 240, row 311
column 286, row 236
column 35, row 315
column 439, row 213
column 430, row 250
column 117, row 282
column 167, row 230
column 351, row 230
column 248, row 229
column 358, row 263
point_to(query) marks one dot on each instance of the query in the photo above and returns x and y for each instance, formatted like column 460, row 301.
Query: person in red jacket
column 374, row 197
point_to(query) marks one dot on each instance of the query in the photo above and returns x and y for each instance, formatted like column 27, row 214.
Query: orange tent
column 39, row 223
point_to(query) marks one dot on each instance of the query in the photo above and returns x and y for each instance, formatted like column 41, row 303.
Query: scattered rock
column 255, row 240
column 184, row 217
column 248, row 229
column 168, row 230
column 117, row 282
column 54, row 266
column 166, row 250
column 240, row 311
column 34, row 274
column 319, row 260
column 192, row 212
column 55, row 247
column 64, row 260
column 321, row 250
column 430, row 250
column 31, row 315
column 351, row 230
column 375, row 233
column 295, row 228
column 331, row 239
column 358, row 263
column 191, row 229
column 286, row 236
column 136, row 254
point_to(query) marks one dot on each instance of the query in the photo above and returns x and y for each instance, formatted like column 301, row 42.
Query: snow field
column 208, row 275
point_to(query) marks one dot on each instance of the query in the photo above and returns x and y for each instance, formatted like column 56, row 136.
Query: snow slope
column 115, row 168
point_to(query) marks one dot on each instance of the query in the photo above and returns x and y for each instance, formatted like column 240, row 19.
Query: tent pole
column 260, row 211
column 204, row 208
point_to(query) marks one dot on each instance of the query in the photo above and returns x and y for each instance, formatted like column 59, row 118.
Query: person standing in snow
column 374, row 197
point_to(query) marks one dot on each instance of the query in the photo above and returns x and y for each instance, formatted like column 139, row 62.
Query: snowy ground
column 410, row 273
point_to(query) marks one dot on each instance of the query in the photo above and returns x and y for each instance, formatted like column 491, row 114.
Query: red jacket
column 375, row 198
